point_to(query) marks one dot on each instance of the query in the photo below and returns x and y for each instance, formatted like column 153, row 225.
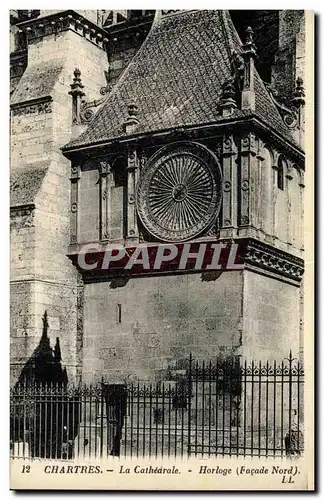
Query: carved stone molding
column 74, row 178
column 22, row 216
column 229, row 146
column 289, row 113
column 105, row 180
column 248, row 144
column 75, row 173
column 34, row 107
column 63, row 21
column 271, row 259
column 87, row 110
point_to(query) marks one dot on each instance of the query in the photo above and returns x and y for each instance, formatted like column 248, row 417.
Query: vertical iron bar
column 196, row 404
column 96, row 422
column 230, row 389
column 176, row 399
column 150, row 429
column 282, row 407
column 103, row 400
column 126, row 422
column 267, row 407
column 144, row 412
column 224, row 405
column 238, row 389
column 138, row 418
column 62, row 418
column 274, row 405
column 24, row 417
column 163, row 415
column 132, row 416
column 13, row 418
column 79, row 408
column 156, row 419
column 189, row 404
column 90, row 418
column 209, row 406
column 259, row 412
column 203, row 407
column 169, row 418
column 298, row 404
column 34, row 419
column 252, row 404
column 45, row 424
column 51, row 422
column 290, row 397
column 217, row 404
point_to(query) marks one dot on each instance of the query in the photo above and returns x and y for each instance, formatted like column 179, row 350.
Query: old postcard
column 161, row 212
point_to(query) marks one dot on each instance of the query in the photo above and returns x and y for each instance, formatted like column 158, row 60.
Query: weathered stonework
column 137, row 328
column 42, row 276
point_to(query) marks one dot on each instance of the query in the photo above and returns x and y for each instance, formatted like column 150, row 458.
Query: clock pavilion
column 185, row 144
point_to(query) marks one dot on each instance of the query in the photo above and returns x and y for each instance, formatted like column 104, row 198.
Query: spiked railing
column 210, row 408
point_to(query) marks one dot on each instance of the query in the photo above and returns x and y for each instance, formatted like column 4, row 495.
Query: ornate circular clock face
column 179, row 192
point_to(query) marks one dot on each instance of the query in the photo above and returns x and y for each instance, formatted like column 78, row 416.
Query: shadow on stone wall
column 44, row 366
column 43, row 418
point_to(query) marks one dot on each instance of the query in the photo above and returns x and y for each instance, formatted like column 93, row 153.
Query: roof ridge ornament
column 132, row 121
column 82, row 111
column 77, row 93
column 298, row 99
column 228, row 98
column 249, row 54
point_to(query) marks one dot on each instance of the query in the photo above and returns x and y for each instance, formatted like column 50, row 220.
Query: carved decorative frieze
column 32, row 108
column 260, row 255
column 63, row 21
column 22, row 216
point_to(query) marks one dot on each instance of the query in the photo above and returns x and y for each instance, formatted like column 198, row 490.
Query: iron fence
column 206, row 409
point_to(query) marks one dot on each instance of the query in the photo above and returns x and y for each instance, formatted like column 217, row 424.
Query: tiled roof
column 37, row 81
column 25, row 183
column 176, row 78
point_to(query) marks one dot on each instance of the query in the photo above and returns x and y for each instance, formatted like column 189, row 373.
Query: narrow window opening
column 280, row 174
column 119, row 313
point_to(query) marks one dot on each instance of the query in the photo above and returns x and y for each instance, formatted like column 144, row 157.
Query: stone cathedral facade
column 115, row 114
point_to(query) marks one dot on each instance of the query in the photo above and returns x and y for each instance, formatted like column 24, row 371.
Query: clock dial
column 179, row 192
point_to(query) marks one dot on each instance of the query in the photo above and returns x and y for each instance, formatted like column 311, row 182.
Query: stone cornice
column 30, row 102
column 22, row 210
column 198, row 132
column 63, row 21
column 271, row 259
column 253, row 254
column 32, row 106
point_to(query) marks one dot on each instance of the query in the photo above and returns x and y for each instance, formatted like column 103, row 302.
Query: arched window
column 281, row 173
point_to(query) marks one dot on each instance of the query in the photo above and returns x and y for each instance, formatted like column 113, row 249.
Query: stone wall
column 290, row 58
column 141, row 328
column 271, row 318
column 42, row 277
